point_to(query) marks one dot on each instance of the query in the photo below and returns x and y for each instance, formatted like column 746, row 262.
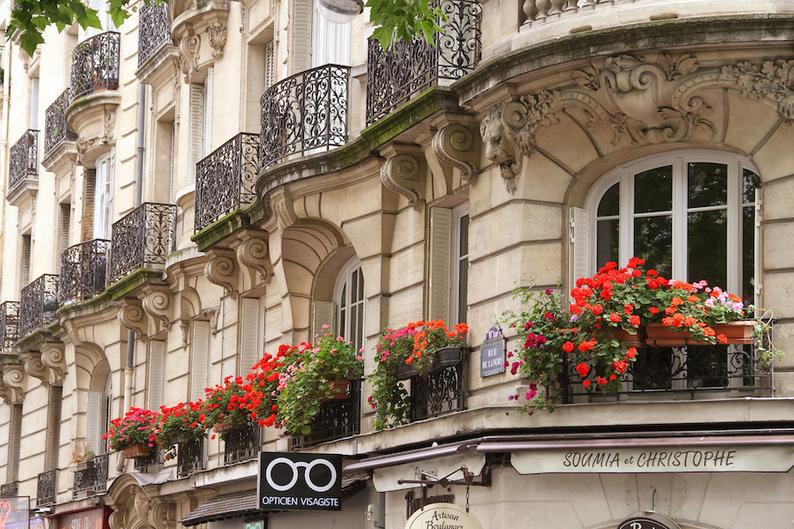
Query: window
column 349, row 298
column 199, row 358
column 98, row 409
column 200, row 122
column 460, row 263
column 448, row 251
column 691, row 216
column 103, row 197
column 34, row 103
column 24, row 266
column 330, row 41
column 270, row 64
column 64, row 219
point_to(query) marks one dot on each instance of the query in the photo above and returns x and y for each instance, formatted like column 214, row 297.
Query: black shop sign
column 299, row 482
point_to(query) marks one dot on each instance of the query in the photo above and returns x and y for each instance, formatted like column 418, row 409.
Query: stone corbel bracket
column 157, row 305
column 253, row 254
column 12, row 387
column 404, row 172
column 221, row 269
column 132, row 316
column 457, row 145
column 53, row 356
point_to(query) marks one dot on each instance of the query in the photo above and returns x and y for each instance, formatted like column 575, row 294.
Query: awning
column 242, row 505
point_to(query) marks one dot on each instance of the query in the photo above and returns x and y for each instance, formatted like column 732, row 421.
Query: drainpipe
column 129, row 369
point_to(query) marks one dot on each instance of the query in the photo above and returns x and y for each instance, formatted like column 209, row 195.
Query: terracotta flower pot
column 222, row 427
column 137, row 451
column 737, row 332
column 340, row 389
column 625, row 337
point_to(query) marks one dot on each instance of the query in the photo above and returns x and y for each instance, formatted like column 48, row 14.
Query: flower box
column 626, row 338
column 339, row 390
column 137, row 451
column 737, row 332
column 444, row 357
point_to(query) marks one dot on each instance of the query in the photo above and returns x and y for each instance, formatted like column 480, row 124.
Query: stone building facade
column 217, row 177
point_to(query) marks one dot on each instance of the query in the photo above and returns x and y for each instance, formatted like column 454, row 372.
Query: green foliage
column 403, row 20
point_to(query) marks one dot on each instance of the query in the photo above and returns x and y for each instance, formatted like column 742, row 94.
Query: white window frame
column 457, row 215
column 345, row 277
column 678, row 160
column 331, row 42
column 103, row 197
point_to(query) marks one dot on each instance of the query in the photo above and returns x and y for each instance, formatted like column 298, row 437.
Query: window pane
column 463, row 281
column 464, row 235
column 354, row 287
column 707, row 184
column 653, row 241
column 607, row 241
column 610, row 202
column 748, row 254
column 751, row 183
column 653, row 190
column 360, row 293
column 707, row 240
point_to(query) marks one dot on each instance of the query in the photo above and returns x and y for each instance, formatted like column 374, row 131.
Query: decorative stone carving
column 212, row 316
column 456, row 145
column 189, row 47
column 13, row 382
column 633, row 99
column 217, row 36
column 35, row 367
column 253, row 254
column 221, row 269
column 53, row 356
column 132, row 316
column 404, row 172
column 156, row 304
column 281, row 202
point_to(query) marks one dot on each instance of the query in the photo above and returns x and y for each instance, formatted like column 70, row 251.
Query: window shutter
column 34, row 103
column 196, row 127
column 93, row 435
column 89, row 194
column 24, row 269
column 53, row 436
column 580, row 244
column 172, row 166
column 249, row 333
column 14, row 441
column 209, row 84
column 270, row 64
column 64, row 219
column 199, row 361
column 757, row 271
column 440, row 263
column 323, row 312
column 301, row 25
column 156, row 373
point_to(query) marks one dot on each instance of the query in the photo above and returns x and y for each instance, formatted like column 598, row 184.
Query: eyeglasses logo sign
column 299, row 481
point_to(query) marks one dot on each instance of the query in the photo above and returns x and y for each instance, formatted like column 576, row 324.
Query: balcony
column 225, row 179
column 142, row 239
column 47, row 488
column 23, row 166
column 83, row 270
column 154, row 31
column 95, row 65
column 189, row 458
column 241, row 444
column 335, row 420
column 442, row 389
column 687, row 372
column 394, row 76
column 56, row 132
column 38, row 305
column 9, row 490
column 9, row 325
column 304, row 114
column 91, row 477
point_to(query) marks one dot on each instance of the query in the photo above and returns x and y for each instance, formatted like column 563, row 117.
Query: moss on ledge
column 129, row 283
column 211, row 235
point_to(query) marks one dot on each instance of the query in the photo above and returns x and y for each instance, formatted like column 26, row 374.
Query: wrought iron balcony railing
column 687, row 372
column 91, row 477
column 143, row 238
column 9, row 325
column 9, row 490
column 47, row 488
column 56, row 131
column 442, row 390
column 225, row 179
column 38, row 305
column 189, row 457
column 95, row 64
column 241, row 444
column 335, row 420
column 84, row 270
column 23, row 159
column 304, row 113
column 154, row 30
column 394, row 76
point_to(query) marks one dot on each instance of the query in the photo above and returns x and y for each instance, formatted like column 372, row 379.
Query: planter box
column 137, row 451
column 626, row 338
column 738, row 333
column 340, row 390
column 445, row 357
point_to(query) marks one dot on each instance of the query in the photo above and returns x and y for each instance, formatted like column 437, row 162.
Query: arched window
column 349, row 299
column 691, row 215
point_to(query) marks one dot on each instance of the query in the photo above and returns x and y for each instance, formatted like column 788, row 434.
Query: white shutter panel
column 24, row 269
column 758, row 287
column 323, row 312
column 249, row 333
column 270, row 64
column 580, row 244
column 199, row 361
column 440, row 263
column 196, row 127
column 53, row 435
column 156, row 373
column 34, row 103
column 93, row 419
column 301, row 26
column 209, row 85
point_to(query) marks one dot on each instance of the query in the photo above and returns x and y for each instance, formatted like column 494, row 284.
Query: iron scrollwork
column 241, row 444
column 92, row 478
column 442, row 389
column 84, row 270
column 23, row 159
column 38, row 305
column 304, row 113
column 225, row 179
column 395, row 75
column 154, row 30
column 9, row 325
column 142, row 239
column 335, row 420
column 56, row 131
column 189, row 457
column 9, row 490
column 95, row 64
column 46, row 488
